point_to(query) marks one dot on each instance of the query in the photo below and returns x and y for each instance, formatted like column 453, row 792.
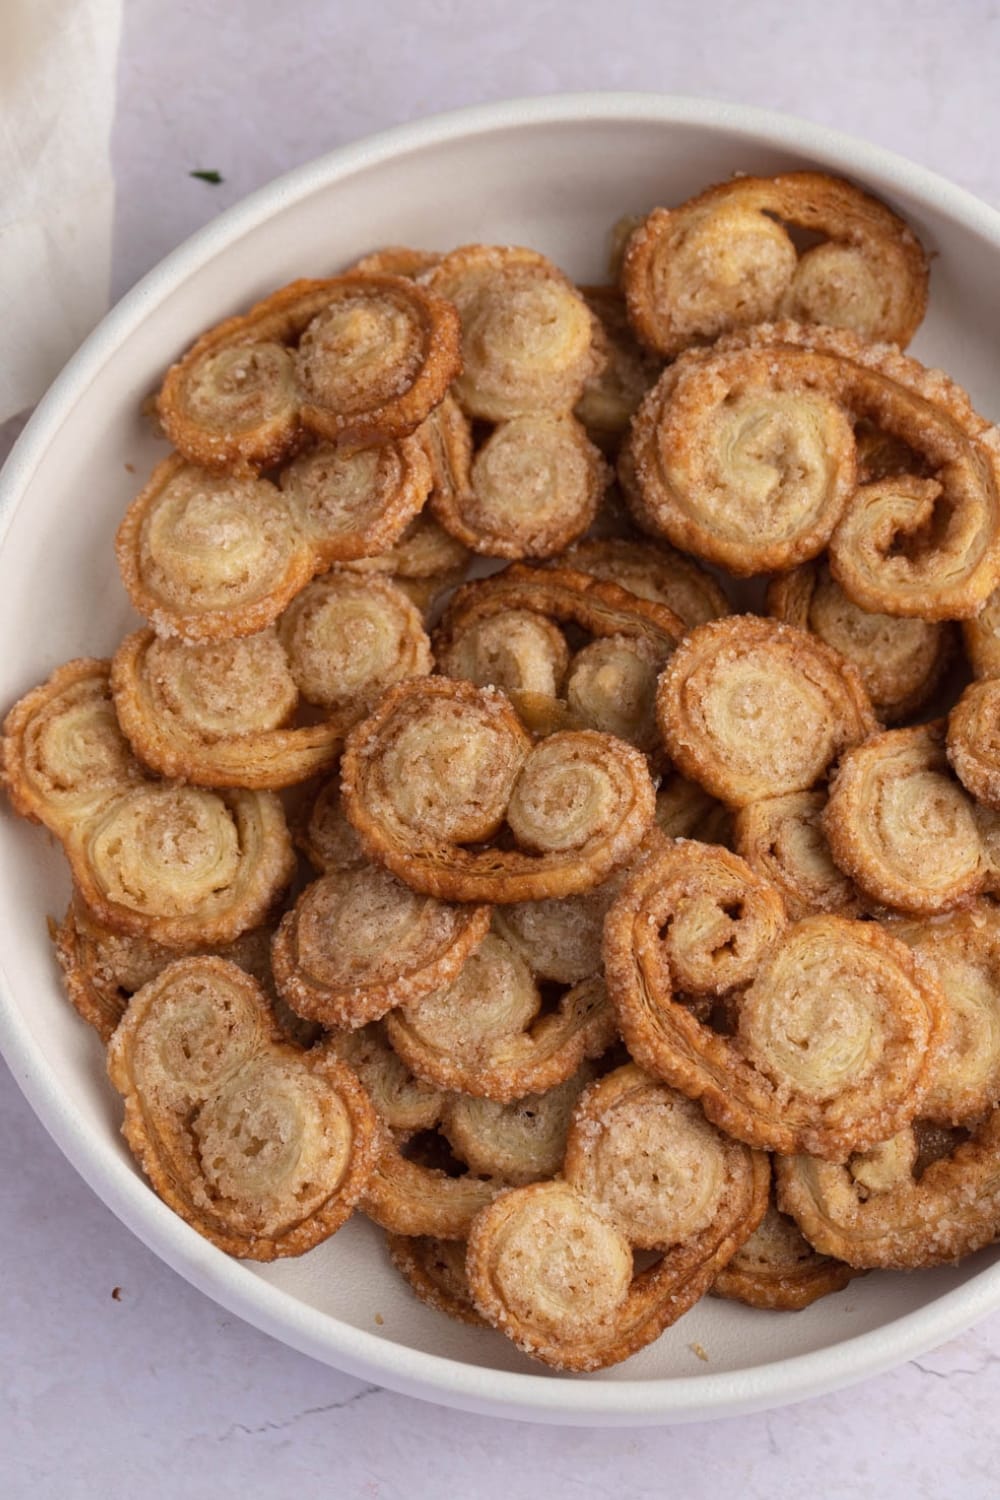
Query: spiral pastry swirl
column 102, row 968
column 522, row 1141
column 648, row 1158
column 962, row 950
column 750, row 708
column 263, row 1148
column 409, row 1195
column 745, row 454
column 611, row 687
column 725, row 260
column 743, row 458
column 361, row 358
column 217, row 713
column 348, row 637
column 62, row 754
column 207, row 556
column 904, row 829
column 907, row 1221
column 485, row 1034
column 974, row 741
column 777, row 1268
column 612, row 395
column 535, row 486
column 782, row 839
column 402, row 1102
column 548, row 1265
column 564, row 596
column 516, row 650
column 181, row 865
column 654, row 571
column 442, row 764
column 356, row 502
column 358, row 942
column 901, row 661
column 528, row 339
column 834, row 1039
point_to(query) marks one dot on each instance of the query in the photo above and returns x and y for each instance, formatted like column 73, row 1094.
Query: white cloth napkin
column 57, row 97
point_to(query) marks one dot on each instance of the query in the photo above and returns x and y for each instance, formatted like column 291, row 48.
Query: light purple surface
column 113, row 1395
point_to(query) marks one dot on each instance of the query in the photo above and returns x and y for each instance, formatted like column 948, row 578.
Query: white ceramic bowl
column 553, row 174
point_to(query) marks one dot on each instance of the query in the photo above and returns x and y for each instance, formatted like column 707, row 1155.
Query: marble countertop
column 117, row 1377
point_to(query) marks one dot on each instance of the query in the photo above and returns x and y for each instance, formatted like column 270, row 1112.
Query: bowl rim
column 234, row 1285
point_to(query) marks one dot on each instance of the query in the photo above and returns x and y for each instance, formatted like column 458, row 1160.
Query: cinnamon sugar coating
column 904, row 829
column 902, row 661
column 358, row 942
column 782, row 839
column 577, row 804
column 962, row 951
column 750, row 708
column 182, row 866
column 209, row 556
column 541, row 776
column 361, row 358
column 724, row 260
column 551, row 1267
column 973, row 740
column 403, row 1103
column 102, row 968
column 521, row 1141
column 264, row 1148
column 486, row 1034
column 745, row 454
column 777, row 1268
column 872, row 1018
column 218, row 713
column 534, row 487
column 951, row 1209
column 528, row 337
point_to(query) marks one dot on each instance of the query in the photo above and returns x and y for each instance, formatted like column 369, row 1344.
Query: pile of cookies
column 594, row 939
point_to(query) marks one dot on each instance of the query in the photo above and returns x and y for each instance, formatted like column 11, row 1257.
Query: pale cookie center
column 562, row 1269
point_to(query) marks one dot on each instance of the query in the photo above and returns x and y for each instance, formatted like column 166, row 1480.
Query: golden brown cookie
column 782, row 839
column 219, row 713
column 442, row 765
column 358, row 942
column 528, row 340
column 777, row 1268
column 904, row 829
column 263, row 1148
column 486, row 1033
column 750, row 708
column 534, row 487
column 902, row 1219
column 552, row 1267
column 209, row 556
column 725, row 259
column 902, row 661
column 360, row 358
column 833, row 1038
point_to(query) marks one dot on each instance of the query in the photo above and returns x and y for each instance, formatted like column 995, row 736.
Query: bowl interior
column 558, row 186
